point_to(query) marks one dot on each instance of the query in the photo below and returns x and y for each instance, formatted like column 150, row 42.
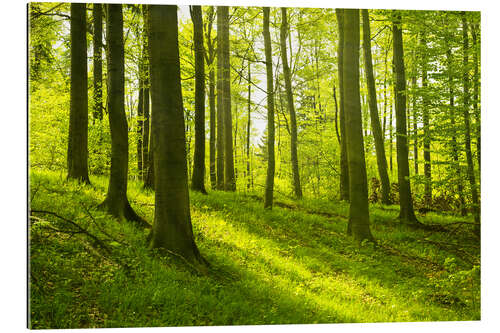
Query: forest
column 214, row 165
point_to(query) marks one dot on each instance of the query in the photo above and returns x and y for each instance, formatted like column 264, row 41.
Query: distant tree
column 146, row 163
column 198, row 178
column 268, row 198
column 78, row 115
column 290, row 104
column 97, row 58
column 426, row 124
column 375, row 121
column 116, row 201
column 344, row 167
column 359, row 218
column 210, row 58
column 406, row 212
column 467, row 134
column 220, row 100
column 172, row 229
column 229, row 176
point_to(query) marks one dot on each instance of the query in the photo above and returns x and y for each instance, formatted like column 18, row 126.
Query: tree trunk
column 210, row 56
column 268, row 199
column 229, row 178
column 97, row 14
column 220, row 101
column 415, row 128
column 291, row 107
column 145, row 109
column 172, row 229
column 140, row 123
column 466, row 101
column 406, row 212
column 375, row 121
column 425, row 121
column 198, row 178
column 344, row 168
column 475, row 100
column 249, row 124
column 359, row 219
column 78, row 115
column 454, row 145
column 116, row 200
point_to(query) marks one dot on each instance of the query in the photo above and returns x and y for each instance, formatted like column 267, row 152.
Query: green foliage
column 292, row 264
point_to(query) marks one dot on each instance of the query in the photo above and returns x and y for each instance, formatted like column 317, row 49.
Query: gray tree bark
column 290, row 104
column 268, row 199
column 359, row 218
column 172, row 229
column 78, row 116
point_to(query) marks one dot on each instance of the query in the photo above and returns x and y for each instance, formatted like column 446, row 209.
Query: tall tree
column 78, row 114
column 344, row 169
column 198, row 178
column 97, row 58
column 375, row 121
column 359, row 218
column 475, row 101
column 406, row 212
column 220, row 100
column 140, row 121
column 116, row 200
column 249, row 125
column 425, row 121
column 268, row 199
column 210, row 57
column 146, row 163
column 172, row 229
column 229, row 178
column 290, row 104
column 465, row 110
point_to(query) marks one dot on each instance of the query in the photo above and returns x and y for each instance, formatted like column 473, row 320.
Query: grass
column 292, row 264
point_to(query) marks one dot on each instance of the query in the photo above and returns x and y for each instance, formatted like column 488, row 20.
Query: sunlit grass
column 267, row 266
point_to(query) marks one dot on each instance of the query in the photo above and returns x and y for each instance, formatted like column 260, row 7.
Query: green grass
column 292, row 264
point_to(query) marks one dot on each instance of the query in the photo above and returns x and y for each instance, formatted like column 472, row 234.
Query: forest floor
column 292, row 264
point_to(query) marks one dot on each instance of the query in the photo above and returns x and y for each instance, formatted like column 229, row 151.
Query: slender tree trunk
column 344, row 168
column 229, row 178
column 172, row 230
column 249, row 124
column 425, row 121
column 415, row 128
column 198, row 178
column 475, row 100
column 359, row 218
column 291, row 107
column 375, row 121
column 78, row 115
column 454, row 145
column 466, row 101
column 406, row 212
column 391, row 131
column 268, row 199
column 210, row 57
column 116, row 200
column 220, row 101
column 140, row 123
column 146, row 113
column 97, row 38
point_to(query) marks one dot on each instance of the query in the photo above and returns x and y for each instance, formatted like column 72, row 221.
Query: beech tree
column 290, row 104
column 172, row 229
column 344, row 168
column 375, row 121
column 268, row 198
column 406, row 212
column 116, row 201
column 77, row 156
column 359, row 218
column 198, row 178
column 97, row 58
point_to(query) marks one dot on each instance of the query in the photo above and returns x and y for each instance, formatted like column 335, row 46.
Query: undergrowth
column 291, row 264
